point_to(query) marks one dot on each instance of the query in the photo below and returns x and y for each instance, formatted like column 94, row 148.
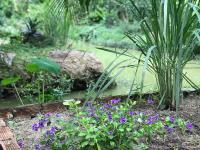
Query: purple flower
column 38, row 147
column 122, row 120
column 41, row 123
column 102, row 108
column 47, row 115
column 115, row 101
column 172, row 119
column 92, row 112
column 132, row 113
column 189, row 126
column 168, row 129
column 58, row 115
column 110, row 133
column 20, row 143
column 36, row 139
column 108, row 106
column 152, row 119
column 150, row 101
column 52, row 131
column 88, row 104
column 35, row 127
column 109, row 116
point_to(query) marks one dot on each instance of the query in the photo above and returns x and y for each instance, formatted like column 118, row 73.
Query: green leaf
column 121, row 129
column 112, row 143
column 43, row 64
column 33, row 68
column 167, row 120
column 128, row 129
column 67, row 102
column 8, row 81
column 83, row 144
column 81, row 134
column 98, row 146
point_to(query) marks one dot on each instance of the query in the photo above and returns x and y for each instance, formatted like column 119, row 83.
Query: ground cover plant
column 112, row 124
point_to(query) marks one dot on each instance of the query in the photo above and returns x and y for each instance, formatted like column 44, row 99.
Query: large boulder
column 82, row 67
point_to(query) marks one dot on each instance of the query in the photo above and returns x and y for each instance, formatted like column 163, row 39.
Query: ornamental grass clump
column 103, row 126
column 169, row 34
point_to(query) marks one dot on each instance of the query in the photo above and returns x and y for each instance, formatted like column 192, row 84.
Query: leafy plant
column 104, row 126
column 42, row 66
column 57, row 19
column 170, row 28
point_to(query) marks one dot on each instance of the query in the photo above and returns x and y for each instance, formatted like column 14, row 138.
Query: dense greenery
column 39, row 46
column 163, row 32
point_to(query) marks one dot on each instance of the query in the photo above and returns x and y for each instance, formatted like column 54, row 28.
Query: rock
column 83, row 67
column 7, row 58
column 78, row 64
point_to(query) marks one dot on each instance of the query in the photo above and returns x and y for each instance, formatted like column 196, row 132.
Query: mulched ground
column 22, row 127
column 190, row 110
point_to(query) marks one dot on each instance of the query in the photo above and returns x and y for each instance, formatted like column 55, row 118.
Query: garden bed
column 189, row 140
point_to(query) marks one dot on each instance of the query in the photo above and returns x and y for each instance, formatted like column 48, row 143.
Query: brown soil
column 183, row 141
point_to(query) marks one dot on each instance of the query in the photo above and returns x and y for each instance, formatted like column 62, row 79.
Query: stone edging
column 7, row 138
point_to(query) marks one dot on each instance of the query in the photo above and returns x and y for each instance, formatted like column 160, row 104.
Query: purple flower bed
column 103, row 125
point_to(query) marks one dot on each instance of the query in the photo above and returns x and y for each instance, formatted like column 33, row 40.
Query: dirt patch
column 184, row 141
column 189, row 110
